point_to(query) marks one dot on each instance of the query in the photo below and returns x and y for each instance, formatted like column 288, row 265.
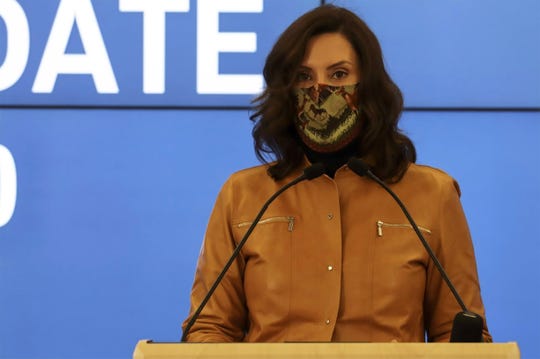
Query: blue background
column 114, row 191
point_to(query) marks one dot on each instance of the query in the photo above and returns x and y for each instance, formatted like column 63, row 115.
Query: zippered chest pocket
column 277, row 219
column 267, row 237
column 268, row 256
column 381, row 226
column 397, row 244
column 400, row 264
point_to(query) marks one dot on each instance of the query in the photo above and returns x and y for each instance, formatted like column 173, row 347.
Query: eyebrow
column 337, row 64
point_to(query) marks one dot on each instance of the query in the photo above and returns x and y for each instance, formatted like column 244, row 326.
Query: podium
column 146, row 349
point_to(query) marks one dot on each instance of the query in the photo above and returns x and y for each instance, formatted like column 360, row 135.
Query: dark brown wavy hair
column 380, row 143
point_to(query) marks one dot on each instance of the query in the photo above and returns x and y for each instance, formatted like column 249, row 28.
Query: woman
column 333, row 259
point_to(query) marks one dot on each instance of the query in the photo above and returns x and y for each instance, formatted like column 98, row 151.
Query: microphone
column 467, row 326
column 309, row 173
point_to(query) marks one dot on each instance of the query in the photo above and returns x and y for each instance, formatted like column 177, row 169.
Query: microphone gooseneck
column 467, row 326
column 309, row 173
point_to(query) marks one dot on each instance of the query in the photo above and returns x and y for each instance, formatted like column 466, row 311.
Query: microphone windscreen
column 314, row 171
column 467, row 328
column 358, row 166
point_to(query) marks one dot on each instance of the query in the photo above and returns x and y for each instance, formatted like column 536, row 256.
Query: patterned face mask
column 327, row 118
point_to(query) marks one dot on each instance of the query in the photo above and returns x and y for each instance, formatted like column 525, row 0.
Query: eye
column 339, row 74
column 303, row 76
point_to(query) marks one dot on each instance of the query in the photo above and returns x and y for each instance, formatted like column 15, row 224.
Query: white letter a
column 95, row 60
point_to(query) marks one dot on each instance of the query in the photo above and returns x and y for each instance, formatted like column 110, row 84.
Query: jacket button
column 330, row 268
column 330, row 216
column 327, row 321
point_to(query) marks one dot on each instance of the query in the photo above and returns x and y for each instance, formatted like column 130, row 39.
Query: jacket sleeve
column 224, row 317
column 454, row 248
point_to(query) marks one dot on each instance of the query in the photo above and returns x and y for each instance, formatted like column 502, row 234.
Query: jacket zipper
column 381, row 224
column 286, row 219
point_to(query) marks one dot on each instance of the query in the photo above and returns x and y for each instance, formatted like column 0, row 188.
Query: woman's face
column 330, row 59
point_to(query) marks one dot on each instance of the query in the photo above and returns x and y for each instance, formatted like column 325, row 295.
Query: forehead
column 327, row 49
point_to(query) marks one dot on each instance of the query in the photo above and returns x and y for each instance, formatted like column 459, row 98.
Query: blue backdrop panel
column 111, row 210
column 494, row 156
column 121, row 36
column 460, row 53
column 112, row 207
column 441, row 53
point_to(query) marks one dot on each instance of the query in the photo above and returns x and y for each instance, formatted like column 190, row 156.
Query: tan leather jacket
column 335, row 260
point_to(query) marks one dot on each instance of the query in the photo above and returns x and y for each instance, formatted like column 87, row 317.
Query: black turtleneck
column 334, row 160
